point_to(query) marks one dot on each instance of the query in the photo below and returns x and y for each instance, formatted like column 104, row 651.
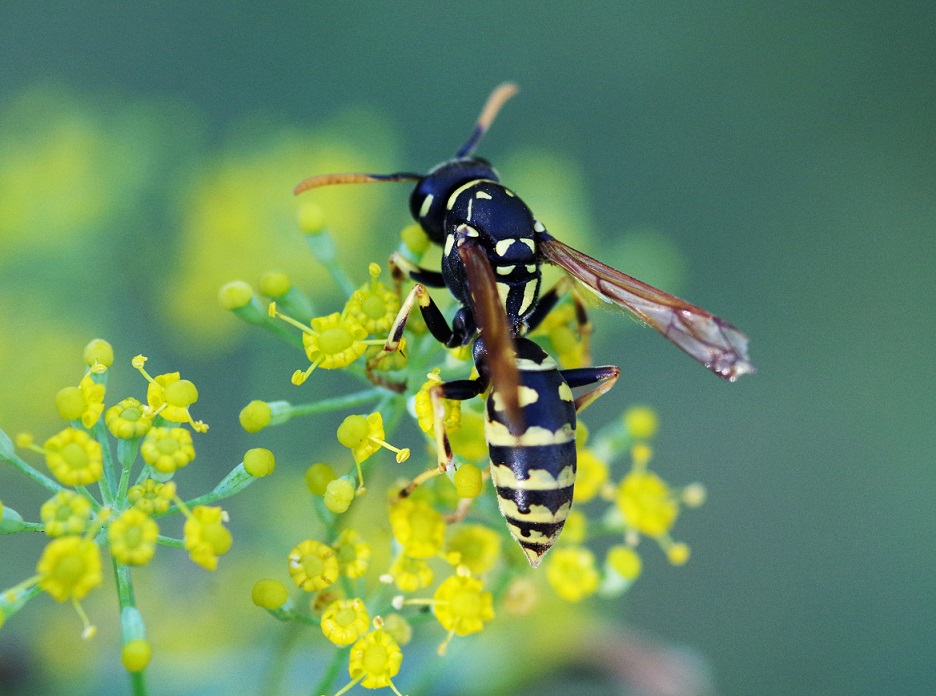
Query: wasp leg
column 459, row 390
column 602, row 377
column 548, row 301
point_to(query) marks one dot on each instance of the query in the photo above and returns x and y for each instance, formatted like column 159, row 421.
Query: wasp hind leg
column 600, row 379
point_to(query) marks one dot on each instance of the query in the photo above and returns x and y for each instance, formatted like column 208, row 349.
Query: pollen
column 74, row 458
column 170, row 396
column 313, row 565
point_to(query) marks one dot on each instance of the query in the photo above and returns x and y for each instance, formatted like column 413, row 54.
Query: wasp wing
column 712, row 341
column 491, row 318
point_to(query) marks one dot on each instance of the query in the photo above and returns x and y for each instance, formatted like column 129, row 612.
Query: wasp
column 493, row 252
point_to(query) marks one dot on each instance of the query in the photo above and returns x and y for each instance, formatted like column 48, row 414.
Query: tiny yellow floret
column 462, row 606
column 69, row 568
column 571, row 572
column 65, row 513
column 127, row 419
column 259, row 462
column 167, row 449
column 313, row 565
column 641, row 422
column 98, row 352
column 624, row 561
column 74, row 458
column 269, row 594
column 468, row 481
column 206, row 537
column 255, row 416
column 375, row 659
column 135, row 655
column 418, row 527
column 132, row 537
column 345, row 620
column 275, row 283
column 339, row 494
column 235, row 295
column 318, row 476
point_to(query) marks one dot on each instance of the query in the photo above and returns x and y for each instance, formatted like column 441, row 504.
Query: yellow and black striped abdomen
column 533, row 470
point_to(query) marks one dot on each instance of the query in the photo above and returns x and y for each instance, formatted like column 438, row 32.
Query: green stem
column 326, row 683
column 338, row 403
column 127, row 599
column 32, row 473
column 170, row 541
column 272, row 682
column 107, row 483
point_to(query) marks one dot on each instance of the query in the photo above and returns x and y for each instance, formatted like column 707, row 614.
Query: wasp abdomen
column 533, row 470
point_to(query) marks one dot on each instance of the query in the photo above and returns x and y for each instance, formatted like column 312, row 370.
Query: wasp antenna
column 498, row 98
column 331, row 179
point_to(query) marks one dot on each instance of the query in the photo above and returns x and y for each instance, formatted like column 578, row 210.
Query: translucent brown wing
column 712, row 341
column 491, row 318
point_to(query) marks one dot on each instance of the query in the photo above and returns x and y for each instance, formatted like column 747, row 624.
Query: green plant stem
column 272, row 682
column 107, row 483
column 32, row 473
column 339, row 403
column 326, row 683
column 127, row 599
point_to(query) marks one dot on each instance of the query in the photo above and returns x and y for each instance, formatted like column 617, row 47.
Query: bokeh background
column 774, row 162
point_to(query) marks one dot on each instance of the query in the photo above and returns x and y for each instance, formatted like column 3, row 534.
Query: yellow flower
column 331, row 342
column 364, row 436
column 411, row 574
column 167, row 449
column 461, row 605
column 418, row 527
column 478, row 547
column 647, row 503
column 132, row 537
column 69, row 568
column 169, row 396
column 152, row 497
column 84, row 402
column 269, row 594
column 135, row 655
column 345, row 621
column 74, row 458
column 374, row 306
column 353, row 554
column 205, row 535
column 641, row 422
column 422, row 404
column 65, row 513
column 127, row 419
column 571, row 572
column 375, row 660
column 590, row 476
column 624, row 561
column 313, row 565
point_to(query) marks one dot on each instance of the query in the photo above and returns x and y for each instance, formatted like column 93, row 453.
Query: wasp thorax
column 429, row 200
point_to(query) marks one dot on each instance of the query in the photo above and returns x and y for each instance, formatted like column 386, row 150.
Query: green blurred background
column 773, row 162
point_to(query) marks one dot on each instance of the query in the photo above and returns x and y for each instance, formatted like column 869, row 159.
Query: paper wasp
column 493, row 250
